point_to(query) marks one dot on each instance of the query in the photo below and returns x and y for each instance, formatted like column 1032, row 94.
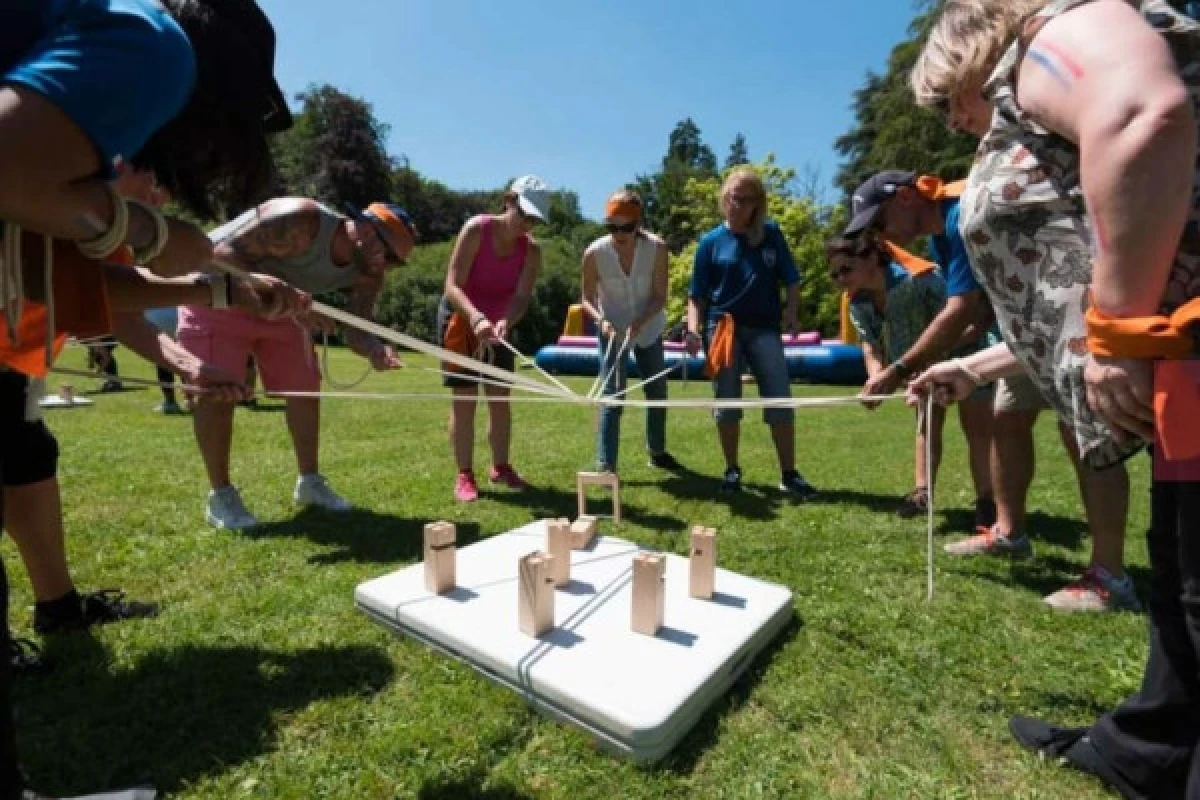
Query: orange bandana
column 932, row 187
column 915, row 265
column 720, row 348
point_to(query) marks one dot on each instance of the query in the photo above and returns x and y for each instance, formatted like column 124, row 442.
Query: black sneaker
column 985, row 512
column 665, row 460
column 915, row 504
column 25, row 657
column 732, row 481
column 95, row 608
column 794, row 484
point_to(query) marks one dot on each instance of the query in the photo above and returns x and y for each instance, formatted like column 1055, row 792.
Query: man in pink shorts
column 318, row 250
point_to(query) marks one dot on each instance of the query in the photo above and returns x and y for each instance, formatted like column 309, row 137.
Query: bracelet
column 104, row 245
column 144, row 255
column 478, row 315
column 971, row 374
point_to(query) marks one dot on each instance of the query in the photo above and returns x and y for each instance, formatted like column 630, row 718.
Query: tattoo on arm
column 1056, row 61
column 274, row 234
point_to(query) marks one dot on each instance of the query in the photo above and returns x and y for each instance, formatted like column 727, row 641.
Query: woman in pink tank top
column 489, row 283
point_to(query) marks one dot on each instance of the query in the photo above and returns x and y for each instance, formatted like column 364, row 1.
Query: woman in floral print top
column 1082, row 216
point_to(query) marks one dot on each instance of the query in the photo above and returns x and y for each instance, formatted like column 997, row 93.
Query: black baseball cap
column 249, row 20
column 871, row 195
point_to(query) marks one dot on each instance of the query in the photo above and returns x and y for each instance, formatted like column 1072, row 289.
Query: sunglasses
column 628, row 227
column 841, row 272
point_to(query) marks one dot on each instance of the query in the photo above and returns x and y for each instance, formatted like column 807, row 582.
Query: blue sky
column 585, row 93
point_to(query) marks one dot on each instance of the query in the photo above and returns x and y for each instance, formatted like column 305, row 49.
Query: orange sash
column 720, row 348
column 459, row 338
column 915, row 265
column 1176, row 389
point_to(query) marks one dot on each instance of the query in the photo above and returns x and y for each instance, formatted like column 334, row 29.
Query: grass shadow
column 871, row 501
column 1046, row 574
column 192, row 711
column 1066, row 532
column 358, row 535
column 755, row 501
column 683, row 759
column 472, row 787
column 543, row 502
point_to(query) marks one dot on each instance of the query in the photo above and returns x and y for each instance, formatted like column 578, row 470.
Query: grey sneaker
column 1097, row 590
column 990, row 542
column 226, row 510
column 313, row 490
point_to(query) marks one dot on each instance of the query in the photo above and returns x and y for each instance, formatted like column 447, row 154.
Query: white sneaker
column 313, row 490
column 1097, row 590
column 226, row 510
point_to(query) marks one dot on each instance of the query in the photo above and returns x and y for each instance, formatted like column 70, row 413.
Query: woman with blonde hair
column 739, row 268
column 1081, row 216
column 624, row 290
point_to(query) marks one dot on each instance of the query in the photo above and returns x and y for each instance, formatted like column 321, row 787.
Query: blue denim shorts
column 760, row 349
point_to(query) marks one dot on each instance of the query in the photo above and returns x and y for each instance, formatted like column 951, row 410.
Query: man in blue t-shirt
column 891, row 206
column 739, row 269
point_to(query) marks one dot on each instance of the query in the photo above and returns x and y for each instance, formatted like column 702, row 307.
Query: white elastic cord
column 925, row 425
column 327, row 373
column 144, row 255
column 524, row 359
column 12, row 280
column 107, row 243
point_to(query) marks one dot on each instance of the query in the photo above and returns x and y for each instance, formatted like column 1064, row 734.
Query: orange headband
column 388, row 219
column 623, row 208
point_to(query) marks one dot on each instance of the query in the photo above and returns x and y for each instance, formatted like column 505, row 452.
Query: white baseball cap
column 533, row 196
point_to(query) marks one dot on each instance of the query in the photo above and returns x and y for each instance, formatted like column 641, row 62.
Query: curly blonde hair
column 748, row 177
column 965, row 44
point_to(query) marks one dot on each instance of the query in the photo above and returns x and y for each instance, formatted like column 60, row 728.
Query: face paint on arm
column 1057, row 62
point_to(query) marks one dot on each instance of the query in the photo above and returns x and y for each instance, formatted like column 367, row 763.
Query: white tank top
column 623, row 298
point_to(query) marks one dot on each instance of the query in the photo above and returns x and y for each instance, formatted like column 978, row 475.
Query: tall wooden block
column 558, row 545
column 535, row 594
column 649, row 592
column 608, row 479
column 439, row 557
column 583, row 530
column 702, row 562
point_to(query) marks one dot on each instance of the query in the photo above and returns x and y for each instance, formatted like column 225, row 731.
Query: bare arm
column 1103, row 78
column 132, row 290
column 524, row 294
column 282, row 228
column 947, row 329
column 362, row 303
column 590, row 283
column 466, row 247
column 873, row 359
column 695, row 315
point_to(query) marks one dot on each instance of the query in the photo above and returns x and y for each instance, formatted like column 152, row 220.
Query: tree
column 738, row 154
column 891, row 131
column 335, row 151
column 687, row 157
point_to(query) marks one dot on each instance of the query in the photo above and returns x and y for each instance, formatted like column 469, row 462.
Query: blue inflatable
column 832, row 363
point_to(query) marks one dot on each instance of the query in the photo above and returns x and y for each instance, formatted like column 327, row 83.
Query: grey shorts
column 1019, row 393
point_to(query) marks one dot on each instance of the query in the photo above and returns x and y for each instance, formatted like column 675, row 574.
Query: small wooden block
column 649, row 592
column 558, row 545
column 702, row 562
column 583, row 530
column 609, row 479
column 535, row 594
column 439, row 554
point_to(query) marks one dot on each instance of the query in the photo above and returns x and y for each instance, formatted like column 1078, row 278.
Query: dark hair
column 215, row 152
column 856, row 247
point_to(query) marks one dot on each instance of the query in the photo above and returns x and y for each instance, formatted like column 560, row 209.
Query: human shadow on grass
column 1047, row 573
column 871, row 501
column 359, row 535
column 176, row 716
column 755, row 501
column 543, row 502
column 687, row 753
column 470, row 787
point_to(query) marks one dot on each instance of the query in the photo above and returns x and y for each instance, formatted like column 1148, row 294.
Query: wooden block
column 583, row 530
column 649, row 592
column 558, row 545
column 702, row 562
column 535, row 594
column 439, row 557
column 609, row 479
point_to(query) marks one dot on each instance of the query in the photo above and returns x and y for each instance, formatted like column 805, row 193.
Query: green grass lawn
column 261, row 680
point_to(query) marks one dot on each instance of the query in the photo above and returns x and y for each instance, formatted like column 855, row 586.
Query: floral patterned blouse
column 1030, row 240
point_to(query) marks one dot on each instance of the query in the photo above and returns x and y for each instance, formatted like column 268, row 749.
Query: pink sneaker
column 508, row 476
column 465, row 490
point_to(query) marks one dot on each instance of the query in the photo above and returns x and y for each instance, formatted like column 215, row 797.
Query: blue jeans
column 762, row 350
column 650, row 362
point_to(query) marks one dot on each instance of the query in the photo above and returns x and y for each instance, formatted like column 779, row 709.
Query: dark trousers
column 166, row 378
column 1152, row 738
